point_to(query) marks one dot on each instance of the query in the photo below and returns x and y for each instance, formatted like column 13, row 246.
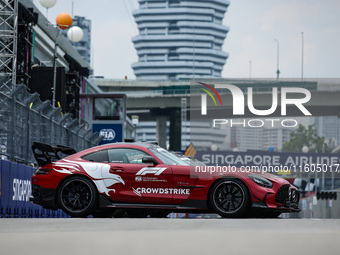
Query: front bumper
column 259, row 206
column 286, row 199
column 44, row 197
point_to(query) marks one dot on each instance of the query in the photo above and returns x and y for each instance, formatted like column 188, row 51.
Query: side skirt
column 187, row 205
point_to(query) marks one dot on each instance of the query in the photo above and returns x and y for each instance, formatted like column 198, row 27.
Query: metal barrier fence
column 313, row 207
column 25, row 119
column 15, row 190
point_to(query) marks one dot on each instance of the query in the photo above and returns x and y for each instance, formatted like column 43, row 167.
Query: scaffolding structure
column 24, row 118
column 8, row 44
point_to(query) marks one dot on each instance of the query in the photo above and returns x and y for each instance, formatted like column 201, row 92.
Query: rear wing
column 45, row 154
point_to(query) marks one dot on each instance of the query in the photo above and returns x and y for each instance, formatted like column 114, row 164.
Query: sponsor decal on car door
column 143, row 183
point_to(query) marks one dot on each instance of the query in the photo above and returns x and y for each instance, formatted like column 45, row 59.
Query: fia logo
column 109, row 134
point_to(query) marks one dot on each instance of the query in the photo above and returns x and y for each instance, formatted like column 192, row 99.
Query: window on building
column 173, row 23
column 173, row 57
column 108, row 109
column 173, row 30
column 172, row 77
column 174, row 3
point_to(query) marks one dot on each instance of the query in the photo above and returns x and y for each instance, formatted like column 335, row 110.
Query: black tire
column 229, row 198
column 77, row 196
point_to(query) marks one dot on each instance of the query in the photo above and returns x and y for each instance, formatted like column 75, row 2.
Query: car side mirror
column 149, row 160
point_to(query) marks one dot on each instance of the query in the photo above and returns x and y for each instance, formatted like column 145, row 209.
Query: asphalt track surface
column 169, row 236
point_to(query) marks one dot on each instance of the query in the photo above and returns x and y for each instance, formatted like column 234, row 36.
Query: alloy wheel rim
column 76, row 195
column 228, row 197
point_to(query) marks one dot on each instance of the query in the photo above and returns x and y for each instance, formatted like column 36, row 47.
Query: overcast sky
column 253, row 27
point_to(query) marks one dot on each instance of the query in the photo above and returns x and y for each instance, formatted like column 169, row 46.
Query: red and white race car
column 142, row 179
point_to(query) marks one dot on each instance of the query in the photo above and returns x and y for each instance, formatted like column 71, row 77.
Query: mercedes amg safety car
column 142, row 179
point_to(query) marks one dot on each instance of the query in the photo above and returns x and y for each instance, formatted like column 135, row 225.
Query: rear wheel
column 229, row 198
column 77, row 196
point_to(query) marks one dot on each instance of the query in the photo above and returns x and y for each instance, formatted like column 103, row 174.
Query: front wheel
column 77, row 196
column 229, row 198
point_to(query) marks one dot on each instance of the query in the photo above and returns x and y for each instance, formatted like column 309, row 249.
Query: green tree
column 306, row 137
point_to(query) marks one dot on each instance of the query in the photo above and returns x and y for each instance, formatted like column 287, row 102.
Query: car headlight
column 261, row 180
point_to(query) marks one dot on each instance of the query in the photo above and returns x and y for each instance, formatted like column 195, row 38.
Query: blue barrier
column 15, row 190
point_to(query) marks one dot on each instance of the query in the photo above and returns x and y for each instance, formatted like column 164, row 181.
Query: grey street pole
column 55, row 69
column 250, row 70
column 302, row 49
column 54, row 73
column 194, row 39
column 278, row 59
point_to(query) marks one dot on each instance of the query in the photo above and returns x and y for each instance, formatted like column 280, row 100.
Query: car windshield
column 195, row 162
column 167, row 157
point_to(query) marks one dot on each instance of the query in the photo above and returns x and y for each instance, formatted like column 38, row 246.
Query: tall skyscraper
column 180, row 39
column 328, row 127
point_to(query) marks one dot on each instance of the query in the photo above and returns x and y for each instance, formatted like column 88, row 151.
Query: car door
column 184, row 183
column 142, row 183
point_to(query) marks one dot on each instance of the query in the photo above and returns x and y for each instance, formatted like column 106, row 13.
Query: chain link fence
column 25, row 119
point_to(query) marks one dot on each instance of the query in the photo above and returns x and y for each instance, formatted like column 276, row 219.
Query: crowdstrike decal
column 151, row 170
column 166, row 191
column 136, row 192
